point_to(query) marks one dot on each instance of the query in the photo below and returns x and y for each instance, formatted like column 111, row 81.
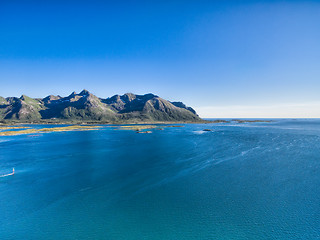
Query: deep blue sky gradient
column 208, row 54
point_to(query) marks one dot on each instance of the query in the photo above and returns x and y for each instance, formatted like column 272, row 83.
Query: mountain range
column 86, row 107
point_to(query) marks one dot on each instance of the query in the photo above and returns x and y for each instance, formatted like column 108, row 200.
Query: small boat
column 9, row 174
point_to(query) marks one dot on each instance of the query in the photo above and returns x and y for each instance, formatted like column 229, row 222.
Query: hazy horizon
column 236, row 111
column 226, row 59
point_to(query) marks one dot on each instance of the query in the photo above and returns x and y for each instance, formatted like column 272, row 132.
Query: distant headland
column 88, row 108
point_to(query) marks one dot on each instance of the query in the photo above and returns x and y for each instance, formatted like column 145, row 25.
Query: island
column 86, row 108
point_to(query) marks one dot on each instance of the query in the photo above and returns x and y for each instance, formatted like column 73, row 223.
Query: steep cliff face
column 162, row 110
column 182, row 105
column 86, row 106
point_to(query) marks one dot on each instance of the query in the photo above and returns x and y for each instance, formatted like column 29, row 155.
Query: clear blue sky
column 225, row 58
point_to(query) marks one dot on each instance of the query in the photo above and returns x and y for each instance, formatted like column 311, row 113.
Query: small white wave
column 199, row 132
column 84, row 189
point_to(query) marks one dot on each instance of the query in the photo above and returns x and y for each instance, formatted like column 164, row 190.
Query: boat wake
column 9, row 174
column 6, row 175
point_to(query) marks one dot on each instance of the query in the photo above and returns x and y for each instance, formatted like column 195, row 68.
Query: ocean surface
column 240, row 181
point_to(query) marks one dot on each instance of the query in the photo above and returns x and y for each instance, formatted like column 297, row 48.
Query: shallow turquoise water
column 241, row 181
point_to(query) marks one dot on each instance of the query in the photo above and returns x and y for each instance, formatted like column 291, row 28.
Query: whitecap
column 198, row 132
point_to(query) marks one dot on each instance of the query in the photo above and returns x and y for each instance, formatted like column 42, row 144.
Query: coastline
column 59, row 122
column 17, row 123
column 19, row 128
column 14, row 131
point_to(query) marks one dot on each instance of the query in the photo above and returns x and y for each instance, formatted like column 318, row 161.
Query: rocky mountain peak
column 50, row 98
column 84, row 92
column 72, row 95
column 24, row 97
column 128, row 97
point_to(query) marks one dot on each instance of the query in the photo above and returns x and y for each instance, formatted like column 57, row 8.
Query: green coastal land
column 10, row 131
column 14, row 131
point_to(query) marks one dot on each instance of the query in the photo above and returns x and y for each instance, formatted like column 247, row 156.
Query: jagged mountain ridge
column 87, row 107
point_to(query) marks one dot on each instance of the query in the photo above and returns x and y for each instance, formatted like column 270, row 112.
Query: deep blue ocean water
column 240, row 181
